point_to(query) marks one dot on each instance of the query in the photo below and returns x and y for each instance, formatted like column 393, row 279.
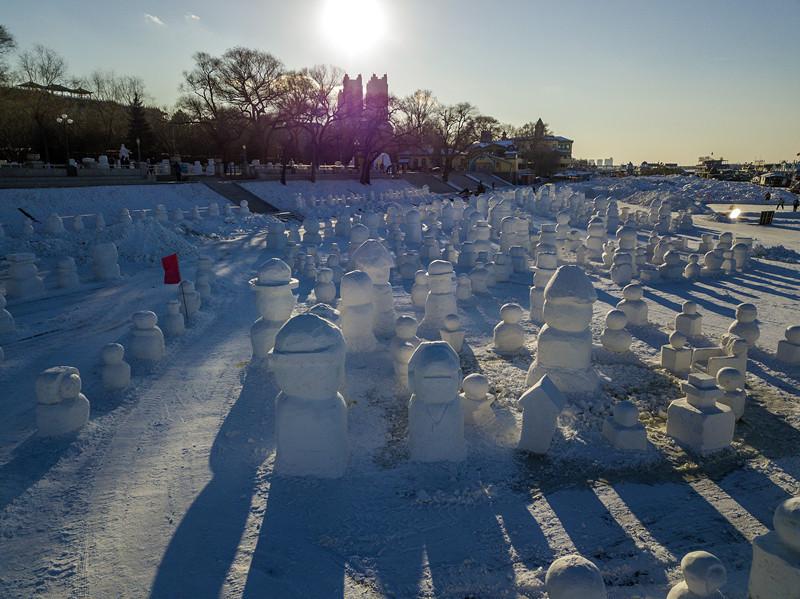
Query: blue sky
column 669, row 80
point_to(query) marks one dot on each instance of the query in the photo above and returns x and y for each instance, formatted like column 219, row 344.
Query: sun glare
column 353, row 25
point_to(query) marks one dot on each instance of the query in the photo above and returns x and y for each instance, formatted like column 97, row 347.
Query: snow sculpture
column 703, row 576
column 61, row 408
column 373, row 258
column 509, row 336
column 689, row 321
column 565, row 341
column 227, row 211
column 276, row 235
column 745, row 325
column 503, row 267
column 609, row 249
column 420, row 289
column 633, row 305
column 413, row 227
column 476, row 402
column 244, row 208
column 147, row 341
column 358, row 235
column 435, row 416
column 99, row 222
column 519, row 260
column 104, row 261
column 544, row 270
column 54, row 225
column 177, row 215
column 333, row 262
column 789, row 348
column 623, row 429
column 574, row 577
column 196, row 213
column 327, row 312
column 77, row 223
column 203, row 286
column 23, row 276
column 205, row 266
column 441, row 299
column 174, row 323
column 274, row 301
column 731, row 381
column 116, row 372
column 125, row 217
column 358, row 312
column 622, row 268
column 547, row 240
column 675, row 356
column 452, row 332
column 190, row 298
column 741, row 256
column 698, row 422
column 402, row 347
column 775, row 570
column 325, row 289
column 161, row 213
column 541, row 404
column 479, row 279
column 311, row 234
column 67, row 273
column 732, row 351
column 310, row 414
column 596, row 238
column 672, row 268
column 213, row 210
column 706, row 243
column 7, row 324
column 463, row 288
column 614, row 337
column 712, row 264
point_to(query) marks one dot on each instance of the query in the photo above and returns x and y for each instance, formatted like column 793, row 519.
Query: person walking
column 767, row 197
column 780, row 205
column 795, row 204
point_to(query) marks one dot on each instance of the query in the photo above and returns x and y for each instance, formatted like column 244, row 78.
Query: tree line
column 242, row 103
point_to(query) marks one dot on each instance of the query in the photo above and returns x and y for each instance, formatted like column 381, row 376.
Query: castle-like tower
column 377, row 99
column 351, row 97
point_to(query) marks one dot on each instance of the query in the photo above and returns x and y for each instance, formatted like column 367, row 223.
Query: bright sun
column 353, row 25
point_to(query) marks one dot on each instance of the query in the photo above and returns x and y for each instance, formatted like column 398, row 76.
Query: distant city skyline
column 667, row 81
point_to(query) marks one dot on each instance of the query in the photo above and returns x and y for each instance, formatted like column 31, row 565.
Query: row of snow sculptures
column 541, row 405
column 565, row 341
column 23, row 277
column 775, row 569
column 147, row 339
column 574, row 577
column 358, row 312
column 373, row 258
column 116, row 372
column 623, row 429
column 703, row 577
column 104, row 261
column 509, row 336
column 435, row 413
column 789, row 348
column 308, row 362
column 274, row 302
column 698, row 421
column 441, row 298
column 61, row 408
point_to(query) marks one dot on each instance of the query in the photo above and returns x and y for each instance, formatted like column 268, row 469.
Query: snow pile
column 107, row 200
column 777, row 253
column 683, row 192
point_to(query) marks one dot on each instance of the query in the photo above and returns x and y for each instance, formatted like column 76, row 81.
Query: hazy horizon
column 632, row 81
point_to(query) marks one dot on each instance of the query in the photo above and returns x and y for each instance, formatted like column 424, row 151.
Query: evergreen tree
column 138, row 127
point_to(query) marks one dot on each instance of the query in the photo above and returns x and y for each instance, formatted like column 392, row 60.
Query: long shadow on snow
column 32, row 459
column 203, row 547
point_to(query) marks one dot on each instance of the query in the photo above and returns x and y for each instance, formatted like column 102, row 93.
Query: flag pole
column 185, row 309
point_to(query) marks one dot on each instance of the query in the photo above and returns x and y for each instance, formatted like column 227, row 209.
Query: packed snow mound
column 683, row 192
column 144, row 241
column 107, row 200
column 777, row 253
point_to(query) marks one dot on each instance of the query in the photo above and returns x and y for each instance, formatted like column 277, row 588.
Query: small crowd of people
column 781, row 205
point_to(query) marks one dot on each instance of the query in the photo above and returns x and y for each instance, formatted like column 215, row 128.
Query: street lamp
column 244, row 159
column 138, row 150
column 65, row 121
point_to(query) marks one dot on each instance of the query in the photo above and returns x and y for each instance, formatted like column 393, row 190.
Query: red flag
column 172, row 274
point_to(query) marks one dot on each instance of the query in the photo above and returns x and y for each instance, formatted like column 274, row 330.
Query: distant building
column 353, row 103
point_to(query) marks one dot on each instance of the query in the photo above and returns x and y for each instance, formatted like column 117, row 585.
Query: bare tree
column 309, row 103
column 454, row 131
column 42, row 65
column 7, row 44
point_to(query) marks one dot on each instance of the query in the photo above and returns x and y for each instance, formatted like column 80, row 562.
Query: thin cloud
column 154, row 20
column 191, row 17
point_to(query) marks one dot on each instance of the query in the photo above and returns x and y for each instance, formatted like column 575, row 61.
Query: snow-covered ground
column 169, row 491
